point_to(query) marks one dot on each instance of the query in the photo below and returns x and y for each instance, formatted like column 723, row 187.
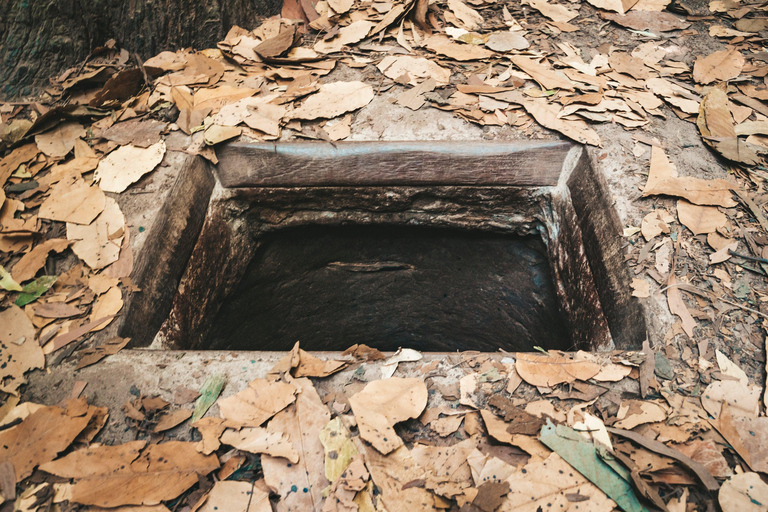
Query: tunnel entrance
column 437, row 246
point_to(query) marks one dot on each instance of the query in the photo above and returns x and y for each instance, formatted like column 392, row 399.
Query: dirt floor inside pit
column 670, row 100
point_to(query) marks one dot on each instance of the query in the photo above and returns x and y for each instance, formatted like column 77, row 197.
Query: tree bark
column 41, row 38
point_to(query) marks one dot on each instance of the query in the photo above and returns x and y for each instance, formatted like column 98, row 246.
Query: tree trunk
column 41, row 38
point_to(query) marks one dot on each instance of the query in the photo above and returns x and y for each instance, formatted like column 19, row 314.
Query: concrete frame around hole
column 527, row 187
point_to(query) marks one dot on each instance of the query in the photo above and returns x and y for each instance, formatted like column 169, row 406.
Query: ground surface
column 676, row 123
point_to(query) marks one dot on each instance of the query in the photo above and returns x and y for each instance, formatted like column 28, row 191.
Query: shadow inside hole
column 431, row 289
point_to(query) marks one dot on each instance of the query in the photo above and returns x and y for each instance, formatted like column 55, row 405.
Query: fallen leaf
column 93, row 355
column 172, row 420
column 552, row 369
column 106, row 305
column 545, row 76
column 700, row 219
column 299, row 485
column 389, row 367
column 215, row 133
column 26, row 268
column 208, row 394
column 678, row 307
column 382, row 404
column 236, row 495
column 650, row 21
column 506, row 41
column 469, row 18
column 554, row 11
column 59, row 141
column 456, row 51
column 743, row 493
column 719, row 66
column 707, row 453
column 352, row 33
column 641, row 412
column 715, row 192
column 126, row 165
column 415, row 68
column 260, row 440
column 98, row 244
column 619, row 6
column 20, row 349
column 82, row 463
column 40, row 438
column 161, row 472
column 77, row 203
column 656, row 222
column 741, row 399
column 534, row 488
column 339, row 448
column 7, row 282
column 257, row 403
column 334, row 99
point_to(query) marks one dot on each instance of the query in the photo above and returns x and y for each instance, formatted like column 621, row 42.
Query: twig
column 747, row 257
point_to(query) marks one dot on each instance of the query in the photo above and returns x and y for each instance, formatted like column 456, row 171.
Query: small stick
column 748, row 257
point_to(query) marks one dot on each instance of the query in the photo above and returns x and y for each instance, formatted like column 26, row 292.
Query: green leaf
column 208, row 394
column 7, row 282
column 32, row 291
column 604, row 471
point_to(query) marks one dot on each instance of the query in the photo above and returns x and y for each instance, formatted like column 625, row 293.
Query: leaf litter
column 500, row 68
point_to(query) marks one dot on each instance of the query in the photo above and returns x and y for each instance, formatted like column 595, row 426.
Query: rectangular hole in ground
column 431, row 289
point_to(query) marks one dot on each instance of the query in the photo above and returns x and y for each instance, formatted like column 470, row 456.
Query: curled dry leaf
column 383, row 403
column 59, row 141
column 552, row 369
column 30, row 263
column 235, row 495
column 416, row 68
column 554, row 11
column 655, row 223
column 716, row 192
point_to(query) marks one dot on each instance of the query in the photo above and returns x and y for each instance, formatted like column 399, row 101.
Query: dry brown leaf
column 352, row 33
column 77, row 202
column 260, row 440
column 334, row 99
column 656, row 222
column 40, row 438
column 461, row 52
column 742, row 399
column 382, row 404
column 674, row 94
column 258, row 402
column 551, row 370
column 299, row 485
column 106, row 305
column 417, row 69
column 98, row 244
column 19, row 347
column 719, row 66
column 59, row 141
column 716, row 192
column 650, row 21
column 550, row 485
column 161, row 472
column 678, row 307
column 142, row 133
column 468, row 17
column 172, row 420
column 708, row 454
column 554, row 11
column 639, row 413
column 236, row 496
column 506, row 41
column 126, row 165
column 619, row 6
column 106, row 459
column 26, row 268
column 640, row 288
column 700, row 219
column 544, row 75
column 745, row 492
column 715, row 122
